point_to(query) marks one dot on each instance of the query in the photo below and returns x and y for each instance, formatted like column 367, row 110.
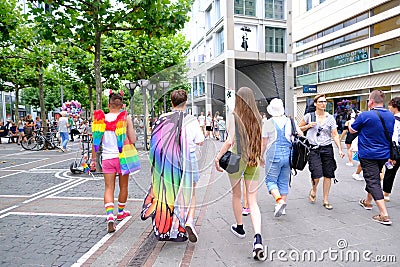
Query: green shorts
column 249, row 173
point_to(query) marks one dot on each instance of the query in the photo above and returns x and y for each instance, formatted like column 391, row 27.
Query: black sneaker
column 238, row 232
column 258, row 249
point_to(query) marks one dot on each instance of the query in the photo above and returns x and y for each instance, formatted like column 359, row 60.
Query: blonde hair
column 248, row 119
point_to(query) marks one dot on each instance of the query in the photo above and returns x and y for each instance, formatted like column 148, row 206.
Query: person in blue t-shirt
column 374, row 150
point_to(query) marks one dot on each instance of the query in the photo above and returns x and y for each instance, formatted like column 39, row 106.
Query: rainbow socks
column 121, row 207
column 109, row 211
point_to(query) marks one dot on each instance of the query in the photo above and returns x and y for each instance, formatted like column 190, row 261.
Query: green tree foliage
column 82, row 23
column 9, row 18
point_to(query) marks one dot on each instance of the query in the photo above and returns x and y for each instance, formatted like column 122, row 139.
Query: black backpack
column 299, row 151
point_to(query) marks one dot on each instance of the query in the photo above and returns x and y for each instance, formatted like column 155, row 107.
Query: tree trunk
column 99, row 90
column 16, row 114
column 41, row 98
column 90, row 90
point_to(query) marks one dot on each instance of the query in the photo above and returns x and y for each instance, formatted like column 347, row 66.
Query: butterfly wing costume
column 168, row 199
column 128, row 156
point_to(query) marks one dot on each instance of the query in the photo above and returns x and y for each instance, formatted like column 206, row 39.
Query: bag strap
column 384, row 126
column 294, row 133
column 294, row 130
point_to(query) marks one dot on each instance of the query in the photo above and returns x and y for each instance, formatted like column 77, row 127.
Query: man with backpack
column 321, row 162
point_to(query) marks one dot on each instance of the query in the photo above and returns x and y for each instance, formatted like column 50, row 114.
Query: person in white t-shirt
column 195, row 138
column 276, row 142
column 202, row 123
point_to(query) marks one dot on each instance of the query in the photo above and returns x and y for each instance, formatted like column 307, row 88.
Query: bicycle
column 38, row 141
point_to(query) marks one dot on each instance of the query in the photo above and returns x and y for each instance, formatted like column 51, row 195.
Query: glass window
column 386, row 47
column 343, row 72
column 306, row 53
column 245, row 7
column 239, row 7
column 208, row 18
column 309, row 4
column 217, row 9
column 386, row 25
column 385, row 7
column 220, row 42
column 250, row 7
column 301, row 70
column 274, row 9
column 386, row 63
column 306, row 79
column 344, row 59
column 274, row 40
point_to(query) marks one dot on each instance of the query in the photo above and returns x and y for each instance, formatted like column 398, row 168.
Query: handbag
column 230, row 161
column 394, row 148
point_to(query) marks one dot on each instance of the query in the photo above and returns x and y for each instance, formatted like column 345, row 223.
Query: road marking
column 15, row 172
column 22, row 164
column 7, row 209
column 87, row 255
column 57, row 214
column 52, row 163
column 65, row 187
column 92, row 198
column 71, row 186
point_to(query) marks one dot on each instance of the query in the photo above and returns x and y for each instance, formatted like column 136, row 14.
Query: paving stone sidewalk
column 309, row 235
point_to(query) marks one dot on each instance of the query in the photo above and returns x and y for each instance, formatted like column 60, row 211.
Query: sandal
column 312, row 197
column 327, row 206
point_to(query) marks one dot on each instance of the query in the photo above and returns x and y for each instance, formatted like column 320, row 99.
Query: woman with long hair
column 247, row 120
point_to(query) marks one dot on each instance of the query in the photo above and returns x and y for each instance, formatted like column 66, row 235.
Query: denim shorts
column 194, row 167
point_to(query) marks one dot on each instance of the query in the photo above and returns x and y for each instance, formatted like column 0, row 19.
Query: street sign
column 309, row 89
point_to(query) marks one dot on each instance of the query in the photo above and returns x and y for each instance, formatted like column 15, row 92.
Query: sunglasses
column 319, row 131
column 321, row 102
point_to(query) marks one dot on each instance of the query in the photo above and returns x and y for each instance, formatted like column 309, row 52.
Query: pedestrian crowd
column 259, row 143
column 66, row 125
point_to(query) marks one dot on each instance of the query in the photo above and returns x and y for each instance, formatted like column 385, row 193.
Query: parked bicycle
column 39, row 141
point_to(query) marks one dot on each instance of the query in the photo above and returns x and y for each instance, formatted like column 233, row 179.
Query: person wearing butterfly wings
column 114, row 131
column 171, row 199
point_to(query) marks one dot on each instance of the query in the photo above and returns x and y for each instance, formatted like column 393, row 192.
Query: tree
column 9, row 19
column 82, row 23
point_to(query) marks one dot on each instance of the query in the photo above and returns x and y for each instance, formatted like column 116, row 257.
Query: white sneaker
column 279, row 207
column 357, row 177
column 284, row 211
column 349, row 164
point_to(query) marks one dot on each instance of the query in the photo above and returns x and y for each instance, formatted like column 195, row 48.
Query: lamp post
column 164, row 85
column 131, row 86
column 151, row 87
column 143, row 84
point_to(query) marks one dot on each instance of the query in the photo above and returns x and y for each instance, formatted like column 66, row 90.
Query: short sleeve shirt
column 321, row 134
column 194, row 133
column 372, row 142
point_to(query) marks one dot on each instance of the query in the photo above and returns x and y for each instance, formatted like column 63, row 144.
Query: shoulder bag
column 230, row 161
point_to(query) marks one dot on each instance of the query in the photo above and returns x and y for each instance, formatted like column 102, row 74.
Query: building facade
column 234, row 44
column 346, row 49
